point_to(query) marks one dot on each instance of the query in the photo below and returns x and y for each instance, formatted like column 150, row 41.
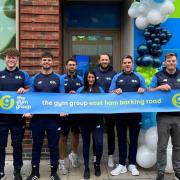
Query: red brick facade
column 39, row 29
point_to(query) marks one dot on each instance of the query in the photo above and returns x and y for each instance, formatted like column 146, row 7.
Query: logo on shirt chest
column 121, row 80
column 108, row 78
column 3, row 77
column 52, row 82
column 178, row 80
column 78, row 84
column 165, row 80
column 39, row 82
column 18, row 77
column 134, row 81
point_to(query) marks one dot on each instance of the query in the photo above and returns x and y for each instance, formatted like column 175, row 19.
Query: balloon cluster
column 150, row 12
column 147, row 148
column 150, row 52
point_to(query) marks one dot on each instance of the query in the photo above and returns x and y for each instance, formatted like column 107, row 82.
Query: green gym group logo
column 176, row 100
column 6, row 102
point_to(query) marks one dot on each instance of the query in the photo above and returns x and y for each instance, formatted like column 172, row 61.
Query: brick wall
column 39, row 29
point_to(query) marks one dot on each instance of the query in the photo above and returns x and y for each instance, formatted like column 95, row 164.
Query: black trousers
column 125, row 121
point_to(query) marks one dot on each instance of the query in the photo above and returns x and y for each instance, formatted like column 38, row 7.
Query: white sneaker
column 62, row 167
column 74, row 160
column 110, row 161
column 134, row 171
column 118, row 170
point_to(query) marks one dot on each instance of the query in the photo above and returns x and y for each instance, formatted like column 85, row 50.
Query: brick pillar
column 39, row 30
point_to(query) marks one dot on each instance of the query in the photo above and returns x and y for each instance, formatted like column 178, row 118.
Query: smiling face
column 46, row 63
column 104, row 61
column 11, row 61
column 127, row 65
column 91, row 79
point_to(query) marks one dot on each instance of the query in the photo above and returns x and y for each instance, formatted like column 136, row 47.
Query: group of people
column 102, row 79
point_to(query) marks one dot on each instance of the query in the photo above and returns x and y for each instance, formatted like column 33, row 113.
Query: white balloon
column 141, row 138
column 154, row 17
column 145, row 157
column 143, row 9
column 169, row 166
column 141, row 22
column 167, row 8
column 133, row 12
column 151, row 138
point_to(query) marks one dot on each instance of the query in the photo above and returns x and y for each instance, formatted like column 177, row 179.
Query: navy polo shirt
column 127, row 82
column 105, row 77
column 72, row 82
column 12, row 81
column 173, row 80
column 47, row 83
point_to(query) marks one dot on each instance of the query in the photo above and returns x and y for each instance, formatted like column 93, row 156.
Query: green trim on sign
column 176, row 13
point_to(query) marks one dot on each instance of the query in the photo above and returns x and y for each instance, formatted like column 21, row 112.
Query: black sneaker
column 17, row 174
column 160, row 176
column 54, row 175
column 97, row 170
column 177, row 176
column 87, row 173
column 34, row 174
column 2, row 175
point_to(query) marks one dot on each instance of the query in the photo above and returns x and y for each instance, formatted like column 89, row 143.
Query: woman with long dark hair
column 91, row 123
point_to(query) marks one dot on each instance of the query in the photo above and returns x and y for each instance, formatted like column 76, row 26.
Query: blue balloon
column 138, row 60
column 157, row 62
column 147, row 60
column 149, row 42
column 151, row 28
column 162, row 36
column 159, row 1
column 163, row 42
column 156, row 40
column 143, row 49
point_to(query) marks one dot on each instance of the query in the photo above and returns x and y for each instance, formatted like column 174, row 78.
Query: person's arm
column 61, row 87
column 113, row 88
column 154, row 86
column 142, row 87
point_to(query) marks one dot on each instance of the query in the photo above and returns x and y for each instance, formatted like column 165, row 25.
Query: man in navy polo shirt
column 72, row 82
column 127, row 81
column 12, row 79
column 104, row 74
column 168, row 123
column 45, row 81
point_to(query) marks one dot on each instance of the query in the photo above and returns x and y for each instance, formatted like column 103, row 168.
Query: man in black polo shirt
column 104, row 74
column 71, row 83
column 127, row 81
column 168, row 123
column 12, row 79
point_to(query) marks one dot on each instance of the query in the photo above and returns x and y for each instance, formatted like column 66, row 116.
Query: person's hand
column 27, row 115
column 141, row 90
column 21, row 90
column 72, row 92
column 164, row 87
column 63, row 114
column 117, row 91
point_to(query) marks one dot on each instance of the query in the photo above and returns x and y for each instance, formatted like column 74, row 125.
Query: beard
column 104, row 68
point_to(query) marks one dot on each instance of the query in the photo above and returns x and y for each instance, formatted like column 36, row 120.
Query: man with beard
column 71, row 83
column 104, row 74
column 45, row 81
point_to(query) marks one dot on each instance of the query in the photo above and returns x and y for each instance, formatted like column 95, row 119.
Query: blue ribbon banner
column 105, row 103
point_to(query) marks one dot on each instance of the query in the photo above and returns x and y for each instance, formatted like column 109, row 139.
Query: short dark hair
column 11, row 52
column 170, row 55
column 129, row 57
column 71, row 59
column 104, row 53
column 46, row 54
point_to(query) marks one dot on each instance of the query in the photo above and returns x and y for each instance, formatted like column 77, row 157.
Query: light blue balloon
column 159, row 1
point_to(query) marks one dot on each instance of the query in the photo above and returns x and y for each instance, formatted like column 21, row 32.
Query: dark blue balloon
column 162, row 36
column 147, row 35
column 156, row 40
column 157, row 29
column 143, row 49
column 169, row 35
column 163, row 42
column 154, row 46
column 156, row 52
column 138, row 61
column 153, row 36
column 151, row 28
column 157, row 62
column 149, row 42
column 147, row 60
